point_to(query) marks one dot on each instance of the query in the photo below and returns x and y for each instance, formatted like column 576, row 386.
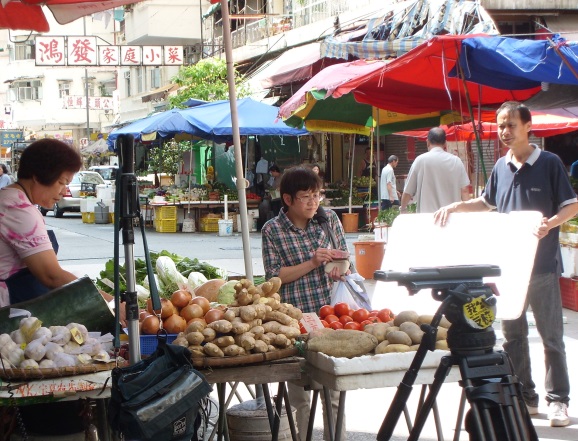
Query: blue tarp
column 510, row 63
column 211, row 121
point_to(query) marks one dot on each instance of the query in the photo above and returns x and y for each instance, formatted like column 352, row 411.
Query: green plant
column 387, row 216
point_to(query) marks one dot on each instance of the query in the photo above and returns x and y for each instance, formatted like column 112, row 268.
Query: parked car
column 108, row 172
column 83, row 182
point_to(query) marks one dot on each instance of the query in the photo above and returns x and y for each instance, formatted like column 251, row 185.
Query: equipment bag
column 159, row 397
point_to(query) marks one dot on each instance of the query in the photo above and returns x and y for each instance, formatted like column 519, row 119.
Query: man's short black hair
column 436, row 136
column 514, row 106
column 275, row 168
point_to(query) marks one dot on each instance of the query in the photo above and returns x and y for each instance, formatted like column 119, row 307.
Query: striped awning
column 367, row 49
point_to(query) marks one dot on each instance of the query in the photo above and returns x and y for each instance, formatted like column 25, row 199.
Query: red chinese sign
column 94, row 102
column 84, row 51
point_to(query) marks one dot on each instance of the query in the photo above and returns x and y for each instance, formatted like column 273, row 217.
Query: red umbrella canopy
column 28, row 15
column 419, row 82
column 543, row 126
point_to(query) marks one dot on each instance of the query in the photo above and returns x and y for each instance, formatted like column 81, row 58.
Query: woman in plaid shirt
column 296, row 248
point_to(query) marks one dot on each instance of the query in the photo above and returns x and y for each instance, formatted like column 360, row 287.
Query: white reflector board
column 490, row 238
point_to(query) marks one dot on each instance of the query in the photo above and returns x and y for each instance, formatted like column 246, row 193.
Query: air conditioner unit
column 127, row 75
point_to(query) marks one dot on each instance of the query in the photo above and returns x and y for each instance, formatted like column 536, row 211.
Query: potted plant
column 385, row 218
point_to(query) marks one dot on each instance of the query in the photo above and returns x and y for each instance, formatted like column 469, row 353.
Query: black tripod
column 497, row 409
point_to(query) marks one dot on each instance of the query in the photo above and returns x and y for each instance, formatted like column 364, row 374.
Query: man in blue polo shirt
column 527, row 178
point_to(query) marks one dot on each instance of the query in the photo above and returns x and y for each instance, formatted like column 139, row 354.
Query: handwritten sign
column 311, row 321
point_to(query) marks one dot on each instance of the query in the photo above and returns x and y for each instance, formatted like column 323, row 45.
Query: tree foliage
column 205, row 80
column 167, row 158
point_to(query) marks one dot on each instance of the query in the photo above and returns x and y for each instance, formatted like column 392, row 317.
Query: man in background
column 388, row 187
column 436, row 178
column 527, row 178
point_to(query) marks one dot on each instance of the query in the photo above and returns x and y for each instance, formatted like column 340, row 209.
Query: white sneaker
column 532, row 410
column 558, row 414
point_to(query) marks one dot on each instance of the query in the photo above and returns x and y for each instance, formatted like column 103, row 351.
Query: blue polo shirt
column 541, row 184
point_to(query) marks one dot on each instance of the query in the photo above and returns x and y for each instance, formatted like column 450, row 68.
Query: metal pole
column 86, row 92
column 237, row 140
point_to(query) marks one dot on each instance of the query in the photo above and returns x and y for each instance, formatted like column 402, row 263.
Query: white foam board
column 506, row 240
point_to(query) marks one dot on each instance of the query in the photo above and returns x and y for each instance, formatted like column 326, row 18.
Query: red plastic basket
column 569, row 291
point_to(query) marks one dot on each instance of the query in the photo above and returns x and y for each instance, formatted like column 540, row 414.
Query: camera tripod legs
column 496, row 411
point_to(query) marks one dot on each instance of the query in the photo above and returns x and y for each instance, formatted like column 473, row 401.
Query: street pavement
column 84, row 249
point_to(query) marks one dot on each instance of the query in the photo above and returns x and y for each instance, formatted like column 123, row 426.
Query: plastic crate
column 569, row 291
column 148, row 343
column 88, row 218
column 166, row 225
column 166, row 213
column 210, row 224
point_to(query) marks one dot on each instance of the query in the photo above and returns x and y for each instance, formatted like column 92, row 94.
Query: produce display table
column 368, row 372
column 196, row 207
column 277, row 371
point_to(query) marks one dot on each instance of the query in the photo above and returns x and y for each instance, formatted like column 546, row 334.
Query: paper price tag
column 311, row 321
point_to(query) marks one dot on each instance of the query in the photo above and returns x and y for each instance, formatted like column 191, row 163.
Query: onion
column 142, row 315
column 213, row 315
column 181, row 298
column 192, row 311
column 202, row 302
column 174, row 324
column 150, row 325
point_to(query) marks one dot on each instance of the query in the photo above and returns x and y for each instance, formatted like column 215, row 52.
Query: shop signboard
column 8, row 137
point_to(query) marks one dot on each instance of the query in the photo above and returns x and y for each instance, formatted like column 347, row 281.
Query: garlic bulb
column 35, row 350
column 44, row 333
column 60, row 334
column 52, row 349
column 29, row 364
column 46, row 364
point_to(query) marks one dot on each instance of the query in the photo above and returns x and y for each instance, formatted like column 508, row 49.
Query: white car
column 83, row 181
column 108, row 172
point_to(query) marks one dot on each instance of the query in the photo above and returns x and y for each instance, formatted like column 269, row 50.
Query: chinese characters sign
column 84, row 51
column 94, row 102
column 8, row 137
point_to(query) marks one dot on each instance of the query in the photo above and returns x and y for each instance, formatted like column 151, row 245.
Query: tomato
column 336, row 325
column 374, row 319
column 364, row 323
column 325, row 310
column 341, row 309
column 360, row 315
column 353, row 325
column 385, row 315
column 345, row 319
column 331, row 318
column 325, row 324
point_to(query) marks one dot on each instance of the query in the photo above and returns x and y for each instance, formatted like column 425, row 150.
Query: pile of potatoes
column 403, row 333
column 256, row 322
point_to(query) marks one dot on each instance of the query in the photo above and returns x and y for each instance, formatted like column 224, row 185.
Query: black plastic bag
column 159, row 397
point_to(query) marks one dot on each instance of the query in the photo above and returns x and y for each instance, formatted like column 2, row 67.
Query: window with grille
column 155, row 78
column 63, row 89
column 25, row 90
column 23, row 51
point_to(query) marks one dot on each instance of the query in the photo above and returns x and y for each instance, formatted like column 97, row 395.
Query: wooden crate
column 569, row 291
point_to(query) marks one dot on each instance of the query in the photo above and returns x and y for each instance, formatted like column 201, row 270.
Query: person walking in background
column 388, row 187
column 368, row 165
column 436, row 178
column 527, row 178
column 5, row 178
column 273, row 186
column 296, row 248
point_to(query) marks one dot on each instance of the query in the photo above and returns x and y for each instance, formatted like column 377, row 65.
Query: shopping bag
column 159, row 397
column 352, row 292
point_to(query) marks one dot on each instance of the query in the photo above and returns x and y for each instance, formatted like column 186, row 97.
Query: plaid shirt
column 286, row 245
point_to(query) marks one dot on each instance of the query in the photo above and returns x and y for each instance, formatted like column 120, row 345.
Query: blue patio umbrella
column 160, row 125
column 213, row 120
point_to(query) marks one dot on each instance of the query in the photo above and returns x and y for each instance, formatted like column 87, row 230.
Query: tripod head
column 466, row 299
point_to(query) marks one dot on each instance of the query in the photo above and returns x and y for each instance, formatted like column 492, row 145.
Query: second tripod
column 497, row 409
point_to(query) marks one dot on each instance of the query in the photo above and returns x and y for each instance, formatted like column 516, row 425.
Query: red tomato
column 341, row 309
column 325, row 324
column 331, row 318
column 336, row 325
column 374, row 319
column 364, row 323
column 345, row 319
column 325, row 310
column 385, row 315
column 353, row 325
column 360, row 315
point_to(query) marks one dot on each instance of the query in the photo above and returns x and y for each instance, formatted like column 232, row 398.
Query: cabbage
column 168, row 274
column 195, row 279
column 226, row 294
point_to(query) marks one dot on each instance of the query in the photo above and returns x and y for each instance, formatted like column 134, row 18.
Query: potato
column 378, row 330
column 397, row 348
column 380, row 349
column 343, row 343
column 413, row 330
column 406, row 316
column 399, row 337
column 442, row 333
column 210, row 289
column 195, row 338
column 442, row 344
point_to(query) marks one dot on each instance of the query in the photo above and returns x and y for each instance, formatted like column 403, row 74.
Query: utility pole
column 86, row 93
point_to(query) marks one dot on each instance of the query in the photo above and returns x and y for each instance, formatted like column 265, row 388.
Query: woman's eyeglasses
column 315, row 197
